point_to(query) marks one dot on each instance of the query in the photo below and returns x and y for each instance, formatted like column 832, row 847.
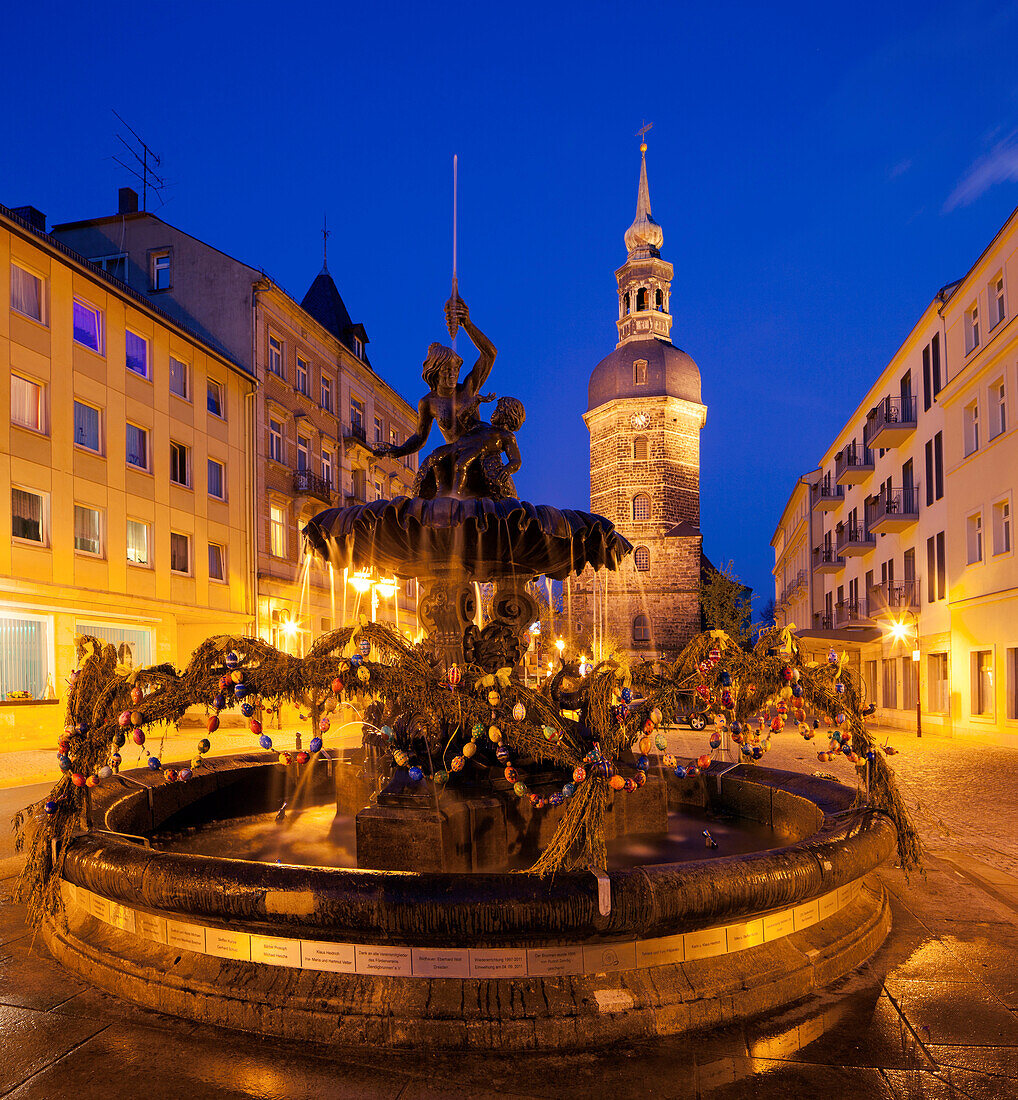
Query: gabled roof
column 324, row 302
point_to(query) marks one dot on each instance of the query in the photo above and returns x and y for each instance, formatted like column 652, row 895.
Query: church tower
column 644, row 415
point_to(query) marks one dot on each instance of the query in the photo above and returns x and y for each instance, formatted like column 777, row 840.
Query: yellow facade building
column 125, row 482
column 908, row 518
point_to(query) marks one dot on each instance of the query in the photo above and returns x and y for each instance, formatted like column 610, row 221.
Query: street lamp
column 898, row 631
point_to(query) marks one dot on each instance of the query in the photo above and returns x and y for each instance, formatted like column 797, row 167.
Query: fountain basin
column 486, row 960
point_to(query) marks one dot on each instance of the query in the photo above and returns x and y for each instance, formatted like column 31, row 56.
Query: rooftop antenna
column 454, row 325
column 325, row 243
column 148, row 161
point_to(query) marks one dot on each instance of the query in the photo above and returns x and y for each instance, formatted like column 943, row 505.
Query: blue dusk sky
column 819, row 172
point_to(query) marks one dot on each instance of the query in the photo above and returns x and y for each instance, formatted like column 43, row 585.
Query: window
column 870, row 681
column 1002, row 527
column 276, row 441
column 640, row 449
column 889, row 687
column 327, row 473
column 180, row 552
column 26, row 403
column 379, row 430
column 179, row 465
column 927, row 380
column 277, row 531
column 641, row 629
column 25, row 645
column 379, row 494
column 136, row 349
column 137, row 542
column 936, row 568
column 658, row 300
column 394, row 437
column 971, row 424
column 303, row 374
column 28, row 516
column 939, row 694
column 88, row 326
column 161, row 272
column 935, row 363
column 178, row 378
column 275, row 355
column 358, row 347
column 134, row 647
column 137, row 447
column 642, row 559
column 1012, row 685
column 935, row 468
column 303, row 452
column 998, row 409
column 87, row 530
column 996, row 298
column 641, row 507
column 26, row 293
column 982, row 683
column 115, row 265
column 909, row 683
column 357, row 415
column 86, row 427
column 217, row 562
column 641, row 299
column 217, row 480
column 974, row 536
column 639, row 372
column 214, row 400
column 626, row 303
column 972, row 329
column 326, row 393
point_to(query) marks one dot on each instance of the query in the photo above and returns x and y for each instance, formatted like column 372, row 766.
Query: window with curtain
column 214, row 401
column 137, row 446
column 88, row 326
column 87, row 529
column 27, row 514
column 26, row 403
column 180, row 552
column 178, row 377
column 217, row 559
column 24, row 657
column 86, row 426
column 26, row 293
column 217, row 480
column 179, row 471
column 137, row 542
column 136, row 353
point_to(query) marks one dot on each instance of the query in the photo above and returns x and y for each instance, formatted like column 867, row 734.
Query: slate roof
column 324, row 302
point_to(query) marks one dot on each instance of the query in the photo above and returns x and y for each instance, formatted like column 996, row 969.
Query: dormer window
column 639, row 372
column 358, row 347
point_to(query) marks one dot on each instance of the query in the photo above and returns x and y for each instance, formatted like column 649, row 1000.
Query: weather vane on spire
column 642, row 135
column 325, row 243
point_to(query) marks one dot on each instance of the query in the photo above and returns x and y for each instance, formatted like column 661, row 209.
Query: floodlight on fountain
column 361, row 582
column 386, row 588
column 560, row 645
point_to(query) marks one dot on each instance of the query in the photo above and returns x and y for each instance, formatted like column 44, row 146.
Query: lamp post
column 899, row 632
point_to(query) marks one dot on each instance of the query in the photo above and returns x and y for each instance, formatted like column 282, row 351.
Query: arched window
column 639, row 372
column 640, row 449
column 641, row 628
column 642, row 558
column 641, row 507
column 658, row 300
column 625, row 301
column 641, row 299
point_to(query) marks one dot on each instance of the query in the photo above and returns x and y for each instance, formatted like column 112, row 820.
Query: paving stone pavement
column 933, row 1014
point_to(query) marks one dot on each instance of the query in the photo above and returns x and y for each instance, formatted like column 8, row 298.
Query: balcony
column 853, row 540
column 890, row 423
column 892, row 598
column 305, row 483
column 823, row 620
column 827, row 560
column 849, row 613
column 355, row 443
column 354, row 498
column 896, row 510
column 827, row 497
column 853, row 464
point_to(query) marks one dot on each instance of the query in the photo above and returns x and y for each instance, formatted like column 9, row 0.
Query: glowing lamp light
column 361, row 582
column 386, row 589
column 898, row 630
column 290, row 627
column 560, row 645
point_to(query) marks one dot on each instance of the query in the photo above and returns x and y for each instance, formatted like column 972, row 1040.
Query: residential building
column 126, row 506
column 318, row 407
column 911, row 514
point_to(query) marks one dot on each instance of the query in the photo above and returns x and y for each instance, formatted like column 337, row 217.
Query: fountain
column 373, row 894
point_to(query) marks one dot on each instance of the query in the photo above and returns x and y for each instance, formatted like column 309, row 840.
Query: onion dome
column 644, row 237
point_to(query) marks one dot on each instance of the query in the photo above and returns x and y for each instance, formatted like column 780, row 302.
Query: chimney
column 128, row 201
column 35, row 218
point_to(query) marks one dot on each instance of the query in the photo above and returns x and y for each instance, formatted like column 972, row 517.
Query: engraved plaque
column 553, row 962
column 498, row 962
column 189, row 936
column 706, row 943
column 225, row 944
column 123, row 918
column 275, row 951
column 151, row 927
column 664, row 949
column 805, row 915
column 384, row 960
column 609, row 958
column 749, row 934
column 320, row 955
column 777, row 925
column 99, row 908
column 430, row 962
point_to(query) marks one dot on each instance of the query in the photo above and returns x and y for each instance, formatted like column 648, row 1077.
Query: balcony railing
column 827, row 560
column 354, row 498
column 853, row 464
column 356, row 431
column 304, row 481
column 827, row 496
column 894, row 509
column 891, row 422
column 823, row 620
column 853, row 539
column 892, row 597
column 848, row 613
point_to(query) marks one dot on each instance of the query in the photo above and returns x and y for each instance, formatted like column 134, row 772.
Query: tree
column 725, row 602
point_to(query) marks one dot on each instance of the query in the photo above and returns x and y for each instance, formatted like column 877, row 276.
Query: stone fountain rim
column 472, row 909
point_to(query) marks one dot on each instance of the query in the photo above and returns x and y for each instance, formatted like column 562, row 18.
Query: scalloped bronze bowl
column 481, row 539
